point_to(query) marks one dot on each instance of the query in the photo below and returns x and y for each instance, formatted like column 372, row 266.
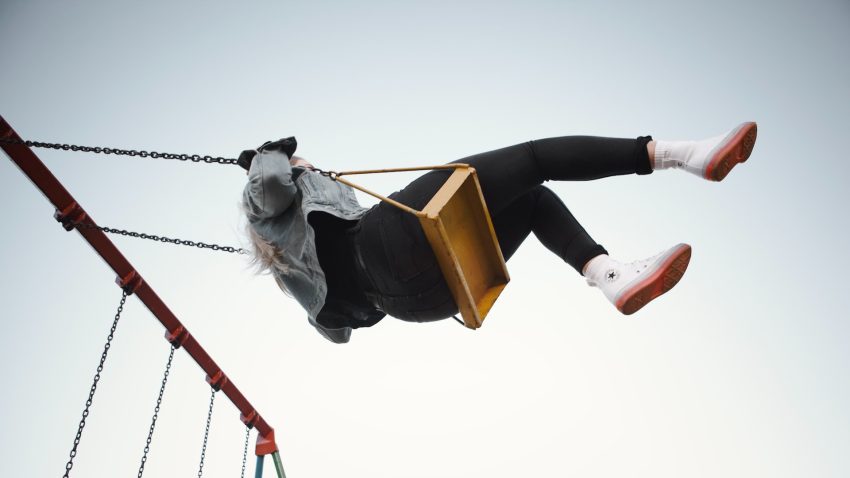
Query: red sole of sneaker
column 668, row 275
column 737, row 150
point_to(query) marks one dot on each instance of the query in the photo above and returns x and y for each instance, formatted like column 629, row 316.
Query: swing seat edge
column 458, row 226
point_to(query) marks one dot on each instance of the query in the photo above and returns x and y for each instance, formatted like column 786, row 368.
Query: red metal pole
column 69, row 211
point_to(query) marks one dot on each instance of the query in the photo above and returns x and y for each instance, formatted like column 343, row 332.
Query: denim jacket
column 279, row 198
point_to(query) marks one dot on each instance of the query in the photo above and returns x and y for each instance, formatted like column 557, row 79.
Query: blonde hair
column 265, row 257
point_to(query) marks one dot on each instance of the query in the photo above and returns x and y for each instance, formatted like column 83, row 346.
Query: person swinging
column 350, row 266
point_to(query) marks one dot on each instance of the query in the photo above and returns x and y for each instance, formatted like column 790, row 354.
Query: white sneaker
column 631, row 286
column 710, row 158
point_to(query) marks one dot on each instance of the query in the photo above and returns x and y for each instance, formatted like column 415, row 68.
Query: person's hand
column 298, row 161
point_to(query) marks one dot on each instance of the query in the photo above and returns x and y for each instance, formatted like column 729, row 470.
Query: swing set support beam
column 69, row 212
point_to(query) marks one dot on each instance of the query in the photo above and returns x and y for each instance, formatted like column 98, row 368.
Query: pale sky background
column 742, row 370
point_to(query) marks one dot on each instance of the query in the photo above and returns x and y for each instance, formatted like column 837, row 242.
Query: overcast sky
column 741, row 370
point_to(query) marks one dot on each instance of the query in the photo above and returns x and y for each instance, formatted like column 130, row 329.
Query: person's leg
column 650, row 151
column 541, row 211
column 506, row 174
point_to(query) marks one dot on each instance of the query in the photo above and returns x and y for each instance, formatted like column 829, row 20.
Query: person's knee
column 542, row 192
column 547, row 200
column 531, row 151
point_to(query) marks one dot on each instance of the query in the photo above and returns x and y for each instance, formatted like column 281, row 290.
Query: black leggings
column 398, row 268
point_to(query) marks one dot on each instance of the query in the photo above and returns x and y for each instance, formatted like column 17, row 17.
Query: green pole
column 278, row 465
column 258, row 473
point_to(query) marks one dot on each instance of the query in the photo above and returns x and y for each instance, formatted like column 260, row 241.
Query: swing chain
column 206, row 434
column 90, row 399
column 333, row 175
column 195, row 158
column 153, row 237
column 245, row 450
column 156, row 412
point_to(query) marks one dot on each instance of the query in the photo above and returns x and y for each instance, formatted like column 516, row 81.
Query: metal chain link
column 156, row 412
column 154, row 237
column 206, row 435
column 245, row 451
column 333, row 175
column 195, row 158
column 90, row 399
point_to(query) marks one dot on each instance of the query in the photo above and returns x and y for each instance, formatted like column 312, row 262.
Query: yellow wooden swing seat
column 458, row 227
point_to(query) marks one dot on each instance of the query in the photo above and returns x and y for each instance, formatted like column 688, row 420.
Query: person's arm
column 270, row 189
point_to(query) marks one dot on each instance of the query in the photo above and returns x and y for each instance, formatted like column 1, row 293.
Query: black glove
column 285, row 145
column 244, row 160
